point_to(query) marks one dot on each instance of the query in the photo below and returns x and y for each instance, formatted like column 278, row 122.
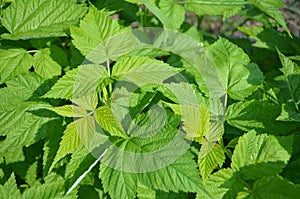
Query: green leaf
column 117, row 183
column 273, row 188
column 260, row 155
column 210, row 157
column 180, row 175
column 78, row 83
column 158, row 13
column 258, row 115
column 14, row 62
column 211, row 7
column 225, row 69
column 224, row 184
column 288, row 114
column 142, row 70
column 291, row 85
column 99, row 38
column 70, row 142
column 174, row 11
column 42, row 18
column 44, row 65
column 70, row 111
column 107, row 121
column 45, row 191
column 10, row 189
column 18, row 119
column 270, row 7
column 195, row 118
column 271, row 39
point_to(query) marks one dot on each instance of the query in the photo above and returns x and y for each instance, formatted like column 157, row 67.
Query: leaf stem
column 85, row 173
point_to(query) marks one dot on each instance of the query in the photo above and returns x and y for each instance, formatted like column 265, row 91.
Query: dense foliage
column 139, row 99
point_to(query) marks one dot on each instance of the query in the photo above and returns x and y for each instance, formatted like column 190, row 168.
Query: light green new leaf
column 26, row 19
column 77, row 83
column 212, row 7
column 142, row 70
column 210, row 157
column 274, row 187
column 226, row 69
column 258, row 115
column 70, row 142
column 99, row 38
column 44, row 65
column 10, row 189
column 108, row 122
column 174, row 11
column 69, row 111
column 195, row 118
column 270, row 7
column 14, row 62
column 260, row 155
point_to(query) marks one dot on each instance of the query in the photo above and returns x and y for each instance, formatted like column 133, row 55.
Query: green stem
column 32, row 51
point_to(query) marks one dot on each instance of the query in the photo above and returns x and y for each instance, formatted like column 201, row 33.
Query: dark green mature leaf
column 289, row 83
column 260, row 155
column 273, row 188
column 271, row 39
column 14, row 62
column 45, row 191
column 223, row 184
column 226, row 69
column 16, row 122
column 258, row 115
column 41, row 18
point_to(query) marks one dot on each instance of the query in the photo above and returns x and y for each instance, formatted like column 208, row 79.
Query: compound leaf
column 226, row 69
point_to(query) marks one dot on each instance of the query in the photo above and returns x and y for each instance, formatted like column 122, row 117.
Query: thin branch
column 85, row 173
